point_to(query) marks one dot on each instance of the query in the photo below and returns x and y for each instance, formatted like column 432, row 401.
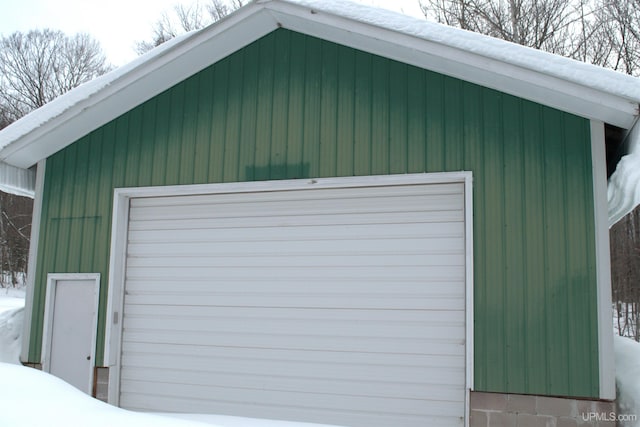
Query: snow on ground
column 627, row 353
column 11, row 318
column 62, row 405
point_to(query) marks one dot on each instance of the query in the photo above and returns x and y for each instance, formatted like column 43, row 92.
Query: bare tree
column 35, row 68
column 15, row 228
column 616, row 41
column 541, row 24
column 601, row 32
column 38, row 66
column 625, row 274
column 183, row 19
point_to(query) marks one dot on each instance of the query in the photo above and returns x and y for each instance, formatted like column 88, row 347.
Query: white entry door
column 70, row 328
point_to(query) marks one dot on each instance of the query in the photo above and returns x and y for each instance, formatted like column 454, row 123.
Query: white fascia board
column 194, row 54
column 606, row 358
column 482, row 70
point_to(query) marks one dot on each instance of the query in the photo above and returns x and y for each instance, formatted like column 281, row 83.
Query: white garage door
column 338, row 305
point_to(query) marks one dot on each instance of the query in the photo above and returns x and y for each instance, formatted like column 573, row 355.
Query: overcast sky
column 117, row 24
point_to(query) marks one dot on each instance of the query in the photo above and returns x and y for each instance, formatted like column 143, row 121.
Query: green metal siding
column 291, row 106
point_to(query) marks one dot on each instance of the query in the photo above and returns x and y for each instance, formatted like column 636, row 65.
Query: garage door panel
column 428, row 273
column 302, row 220
column 340, row 305
column 255, row 355
column 373, row 345
column 307, row 233
column 266, row 200
column 309, row 327
column 256, row 211
column 367, row 302
column 283, row 288
column 314, row 372
column 291, row 383
column 432, row 247
column 324, row 416
column 319, row 195
column 328, row 401
column 205, row 314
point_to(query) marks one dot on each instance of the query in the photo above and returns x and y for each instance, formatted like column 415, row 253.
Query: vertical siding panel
column 380, row 117
column 219, row 121
column 416, row 118
column 534, row 269
column 63, row 244
column 514, row 230
column 77, row 215
column 362, row 116
column 133, row 149
column 435, row 122
column 345, row 109
column 174, row 135
column 328, row 109
column 295, row 114
column 556, row 280
column 398, row 118
column 161, row 139
column 265, row 111
column 495, row 376
column 203, row 140
column 453, row 119
column 312, row 96
column 280, row 105
column 234, row 120
column 581, row 293
column 249, row 106
column 188, row 137
column 91, row 192
column 147, row 143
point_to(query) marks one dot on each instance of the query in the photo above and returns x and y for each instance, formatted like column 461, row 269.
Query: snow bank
column 58, row 404
column 627, row 354
column 11, row 319
column 11, row 335
column 31, row 398
column 62, row 405
column 623, row 192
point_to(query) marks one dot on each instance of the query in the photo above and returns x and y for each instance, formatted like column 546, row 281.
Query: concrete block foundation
column 515, row 410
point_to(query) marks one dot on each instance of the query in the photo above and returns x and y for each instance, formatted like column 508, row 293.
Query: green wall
column 291, row 106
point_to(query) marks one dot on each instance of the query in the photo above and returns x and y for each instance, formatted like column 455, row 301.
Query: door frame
column 119, row 236
column 49, row 307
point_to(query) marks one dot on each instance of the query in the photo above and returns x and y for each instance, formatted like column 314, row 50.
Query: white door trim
column 120, row 221
column 52, row 282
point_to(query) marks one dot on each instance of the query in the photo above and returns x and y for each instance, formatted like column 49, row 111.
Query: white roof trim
column 582, row 89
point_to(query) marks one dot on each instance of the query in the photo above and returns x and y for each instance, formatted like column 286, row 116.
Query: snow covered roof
column 568, row 85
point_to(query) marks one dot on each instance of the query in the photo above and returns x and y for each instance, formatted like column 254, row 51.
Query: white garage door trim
column 120, row 227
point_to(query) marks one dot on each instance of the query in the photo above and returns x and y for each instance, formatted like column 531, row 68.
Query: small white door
column 70, row 328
